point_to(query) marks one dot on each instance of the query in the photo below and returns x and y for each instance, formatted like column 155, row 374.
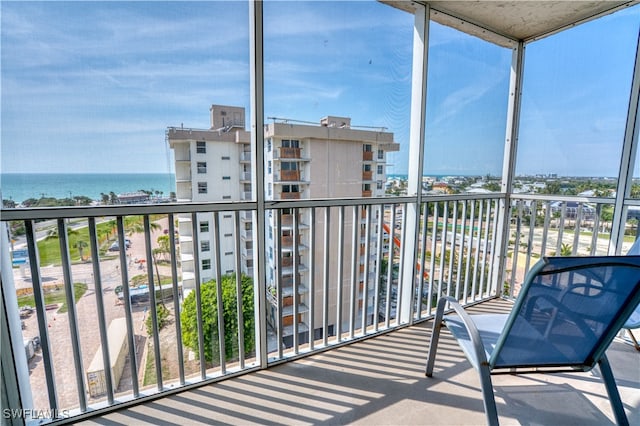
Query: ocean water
column 21, row 186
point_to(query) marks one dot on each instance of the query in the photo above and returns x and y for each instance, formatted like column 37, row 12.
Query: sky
column 90, row 87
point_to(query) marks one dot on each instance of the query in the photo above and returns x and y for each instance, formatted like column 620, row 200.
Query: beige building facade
column 303, row 161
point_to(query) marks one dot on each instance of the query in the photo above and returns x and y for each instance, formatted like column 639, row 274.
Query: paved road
column 58, row 324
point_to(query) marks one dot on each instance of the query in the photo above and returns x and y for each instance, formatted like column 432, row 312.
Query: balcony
column 363, row 362
column 468, row 231
column 289, row 175
column 290, row 153
column 351, row 385
column 290, row 195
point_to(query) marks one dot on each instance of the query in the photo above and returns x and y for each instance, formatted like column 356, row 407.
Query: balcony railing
column 75, row 291
column 289, row 152
column 290, row 195
column 289, row 175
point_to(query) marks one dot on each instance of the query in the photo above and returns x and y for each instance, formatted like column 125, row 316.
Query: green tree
column 81, row 245
column 566, row 249
column 164, row 248
column 208, row 293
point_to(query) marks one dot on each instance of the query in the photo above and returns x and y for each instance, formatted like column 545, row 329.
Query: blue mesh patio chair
column 634, row 320
column 567, row 313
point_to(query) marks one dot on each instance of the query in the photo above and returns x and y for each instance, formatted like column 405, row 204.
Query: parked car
column 116, row 247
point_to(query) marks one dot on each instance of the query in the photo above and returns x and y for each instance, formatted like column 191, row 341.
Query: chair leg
column 612, row 391
column 435, row 337
column 488, row 397
column 635, row 342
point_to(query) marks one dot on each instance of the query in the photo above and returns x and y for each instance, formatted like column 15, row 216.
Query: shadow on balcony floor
column 381, row 381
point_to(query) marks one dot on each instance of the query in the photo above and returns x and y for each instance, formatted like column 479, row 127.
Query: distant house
column 133, row 198
column 571, row 210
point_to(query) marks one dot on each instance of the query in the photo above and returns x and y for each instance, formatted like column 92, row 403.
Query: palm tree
column 566, row 249
column 135, row 224
column 81, row 245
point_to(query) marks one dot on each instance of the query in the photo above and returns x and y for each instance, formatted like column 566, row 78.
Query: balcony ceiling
column 506, row 22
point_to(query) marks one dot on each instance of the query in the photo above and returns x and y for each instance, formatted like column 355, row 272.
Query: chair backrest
column 634, row 319
column 568, row 312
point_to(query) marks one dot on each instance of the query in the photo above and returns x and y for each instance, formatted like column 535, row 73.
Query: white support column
column 416, row 159
column 257, row 176
column 509, row 160
column 15, row 371
column 627, row 161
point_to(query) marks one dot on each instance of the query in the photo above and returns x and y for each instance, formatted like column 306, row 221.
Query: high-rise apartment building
column 305, row 161
column 302, row 161
column 212, row 165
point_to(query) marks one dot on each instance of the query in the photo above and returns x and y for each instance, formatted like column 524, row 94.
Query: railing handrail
column 70, row 212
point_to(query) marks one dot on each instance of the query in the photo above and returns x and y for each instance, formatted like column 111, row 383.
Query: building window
column 366, row 187
column 379, row 185
column 226, row 197
column 201, row 147
column 381, row 154
column 226, row 157
column 205, row 245
column 289, row 165
column 366, row 167
column 226, row 177
column 228, row 253
column 228, row 235
column 202, row 167
column 290, row 188
column 204, row 226
column 269, row 166
column 206, row 264
column 269, row 145
column 202, row 187
column 380, row 170
column 230, row 271
column 227, row 216
column 293, row 143
column 367, row 147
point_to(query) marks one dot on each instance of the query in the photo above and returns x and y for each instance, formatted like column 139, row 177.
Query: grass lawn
column 55, row 296
column 49, row 248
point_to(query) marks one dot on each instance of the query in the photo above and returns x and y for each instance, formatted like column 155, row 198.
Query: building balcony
column 367, row 156
column 367, row 175
column 289, row 175
column 290, row 195
column 290, row 152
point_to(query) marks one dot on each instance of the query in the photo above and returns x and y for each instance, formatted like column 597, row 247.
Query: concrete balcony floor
column 381, row 381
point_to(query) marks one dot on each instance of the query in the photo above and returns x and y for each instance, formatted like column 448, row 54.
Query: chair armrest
column 472, row 330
